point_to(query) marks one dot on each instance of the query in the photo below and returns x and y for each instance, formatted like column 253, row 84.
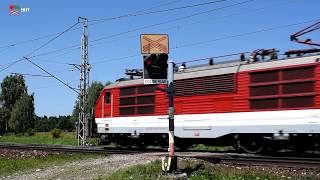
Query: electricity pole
column 83, row 124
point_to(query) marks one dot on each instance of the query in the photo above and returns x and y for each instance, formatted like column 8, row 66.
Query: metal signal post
column 171, row 116
column 157, row 70
column 83, row 124
column 170, row 164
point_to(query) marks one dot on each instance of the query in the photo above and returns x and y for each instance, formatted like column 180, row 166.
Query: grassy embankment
column 67, row 138
column 9, row 166
column 204, row 172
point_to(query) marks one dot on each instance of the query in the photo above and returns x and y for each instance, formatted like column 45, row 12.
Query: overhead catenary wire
column 54, row 34
column 75, row 47
column 54, row 85
column 158, row 11
column 230, row 15
column 170, row 21
column 40, row 47
column 142, row 27
column 212, row 57
column 243, row 34
column 187, row 24
column 213, row 40
column 38, row 66
column 28, row 41
column 53, row 76
column 32, row 75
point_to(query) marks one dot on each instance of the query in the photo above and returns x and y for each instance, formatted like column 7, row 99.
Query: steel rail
column 66, row 148
column 312, row 161
column 249, row 159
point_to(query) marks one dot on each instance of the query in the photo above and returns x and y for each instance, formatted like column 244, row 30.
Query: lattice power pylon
column 84, row 114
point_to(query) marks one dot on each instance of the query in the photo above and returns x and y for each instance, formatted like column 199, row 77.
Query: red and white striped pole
column 171, row 164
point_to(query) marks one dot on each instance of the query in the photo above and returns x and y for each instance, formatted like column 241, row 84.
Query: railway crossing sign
column 155, row 49
column 154, row 43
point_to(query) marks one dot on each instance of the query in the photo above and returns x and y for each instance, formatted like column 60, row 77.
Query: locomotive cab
column 103, row 110
column 104, row 104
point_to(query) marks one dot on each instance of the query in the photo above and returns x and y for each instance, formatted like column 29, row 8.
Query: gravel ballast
column 88, row 169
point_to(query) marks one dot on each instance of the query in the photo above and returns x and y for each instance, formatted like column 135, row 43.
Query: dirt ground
column 95, row 168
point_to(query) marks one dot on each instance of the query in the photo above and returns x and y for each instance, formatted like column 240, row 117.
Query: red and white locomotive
column 244, row 104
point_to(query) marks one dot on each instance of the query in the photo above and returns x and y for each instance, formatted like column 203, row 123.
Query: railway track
column 249, row 160
column 213, row 157
column 67, row 148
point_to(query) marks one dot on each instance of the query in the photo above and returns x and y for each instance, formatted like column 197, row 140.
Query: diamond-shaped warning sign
column 154, row 43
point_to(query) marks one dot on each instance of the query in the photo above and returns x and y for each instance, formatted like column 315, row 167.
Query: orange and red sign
column 154, row 43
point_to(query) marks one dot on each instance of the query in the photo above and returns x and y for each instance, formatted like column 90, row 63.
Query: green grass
column 149, row 171
column 229, row 173
column 201, row 147
column 206, row 171
column 10, row 166
column 67, row 138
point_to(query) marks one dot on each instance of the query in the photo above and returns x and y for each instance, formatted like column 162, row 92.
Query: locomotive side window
column 283, row 88
column 146, row 89
column 127, row 91
column 266, row 76
column 107, row 98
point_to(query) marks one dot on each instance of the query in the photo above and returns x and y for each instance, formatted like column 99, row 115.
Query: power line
column 54, row 34
column 114, row 59
column 32, row 75
column 212, row 40
column 43, row 74
column 56, row 85
column 61, row 33
column 11, row 64
column 172, row 20
column 76, row 46
column 247, row 11
column 213, row 57
column 27, row 41
column 68, row 49
column 159, row 11
column 53, row 76
column 40, row 47
column 244, row 34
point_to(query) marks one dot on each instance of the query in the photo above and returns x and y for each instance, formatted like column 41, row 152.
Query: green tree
column 93, row 94
column 65, row 123
column 22, row 115
column 94, row 91
column 12, row 88
column 4, row 118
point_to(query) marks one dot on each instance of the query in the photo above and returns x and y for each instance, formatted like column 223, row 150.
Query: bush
column 30, row 132
column 56, row 133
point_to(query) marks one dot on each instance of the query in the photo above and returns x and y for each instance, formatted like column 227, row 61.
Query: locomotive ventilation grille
column 205, row 85
column 283, row 88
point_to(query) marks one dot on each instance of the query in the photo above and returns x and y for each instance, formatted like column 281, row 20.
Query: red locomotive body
column 234, row 103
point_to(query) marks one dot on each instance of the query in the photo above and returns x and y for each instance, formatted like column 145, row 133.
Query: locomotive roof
column 226, row 68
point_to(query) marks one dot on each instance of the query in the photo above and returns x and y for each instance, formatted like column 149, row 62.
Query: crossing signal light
column 155, row 66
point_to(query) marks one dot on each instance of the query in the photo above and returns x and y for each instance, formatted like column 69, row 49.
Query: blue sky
column 108, row 56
